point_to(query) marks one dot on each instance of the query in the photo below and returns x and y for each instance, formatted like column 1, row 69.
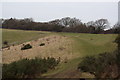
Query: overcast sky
column 46, row 11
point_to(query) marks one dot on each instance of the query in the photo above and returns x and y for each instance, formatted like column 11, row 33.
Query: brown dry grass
column 55, row 46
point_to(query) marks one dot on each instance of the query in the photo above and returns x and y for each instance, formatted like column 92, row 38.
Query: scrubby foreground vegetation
column 28, row 68
column 105, row 65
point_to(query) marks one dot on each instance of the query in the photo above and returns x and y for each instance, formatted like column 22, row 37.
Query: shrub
column 96, row 64
column 118, row 52
column 42, row 44
column 27, row 46
column 105, row 64
column 28, row 67
column 87, row 65
column 5, row 42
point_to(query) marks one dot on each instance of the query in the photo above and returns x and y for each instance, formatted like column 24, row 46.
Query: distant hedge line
column 29, row 24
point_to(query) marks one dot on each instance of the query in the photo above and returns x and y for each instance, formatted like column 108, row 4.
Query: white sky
column 59, row 0
column 46, row 11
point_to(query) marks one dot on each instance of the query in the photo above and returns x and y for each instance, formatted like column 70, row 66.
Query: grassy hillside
column 84, row 45
column 91, row 44
column 20, row 36
column 81, row 45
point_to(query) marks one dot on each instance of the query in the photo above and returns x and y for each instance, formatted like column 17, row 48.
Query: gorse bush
column 86, row 63
column 27, row 68
column 96, row 64
column 5, row 42
column 42, row 44
column 27, row 46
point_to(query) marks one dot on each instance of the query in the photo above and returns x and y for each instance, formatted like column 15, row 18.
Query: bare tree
column 101, row 24
column 90, row 23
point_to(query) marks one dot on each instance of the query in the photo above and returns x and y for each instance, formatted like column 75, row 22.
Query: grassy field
column 82, row 45
column 91, row 44
column 20, row 36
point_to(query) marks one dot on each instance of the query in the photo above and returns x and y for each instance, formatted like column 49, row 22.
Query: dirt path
column 55, row 46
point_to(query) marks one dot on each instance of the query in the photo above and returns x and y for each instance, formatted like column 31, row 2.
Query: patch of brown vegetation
column 55, row 46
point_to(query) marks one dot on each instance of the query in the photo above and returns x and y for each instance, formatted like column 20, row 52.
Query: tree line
column 96, row 27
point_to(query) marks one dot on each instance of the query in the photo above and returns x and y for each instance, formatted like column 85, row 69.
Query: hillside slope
column 70, row 47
